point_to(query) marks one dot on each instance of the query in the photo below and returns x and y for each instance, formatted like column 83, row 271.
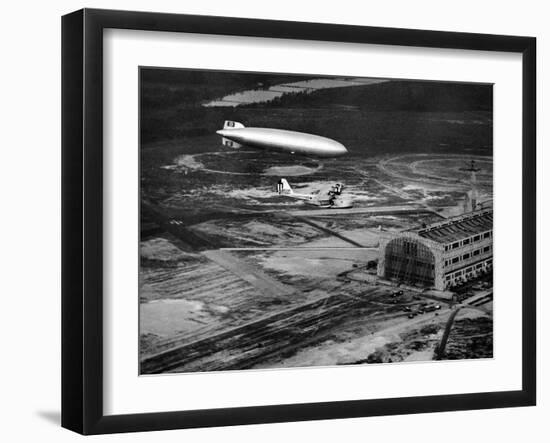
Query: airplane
column 328, row 197
column 235, row 135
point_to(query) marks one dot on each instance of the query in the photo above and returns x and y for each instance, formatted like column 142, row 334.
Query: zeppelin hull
column 285, row 141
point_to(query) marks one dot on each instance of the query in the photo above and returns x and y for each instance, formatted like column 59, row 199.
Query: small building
column 441, row 255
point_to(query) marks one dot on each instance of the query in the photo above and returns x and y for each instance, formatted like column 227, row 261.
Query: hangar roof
column 459, row 227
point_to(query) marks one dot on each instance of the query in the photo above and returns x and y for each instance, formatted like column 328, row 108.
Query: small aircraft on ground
column 327, row 197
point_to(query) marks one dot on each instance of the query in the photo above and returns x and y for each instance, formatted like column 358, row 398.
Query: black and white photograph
column 290, row 221
column 260, row 222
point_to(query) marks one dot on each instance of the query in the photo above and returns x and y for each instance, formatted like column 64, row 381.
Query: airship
column 235, row 135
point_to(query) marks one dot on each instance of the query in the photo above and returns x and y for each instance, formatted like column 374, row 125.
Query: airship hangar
column 442, row 255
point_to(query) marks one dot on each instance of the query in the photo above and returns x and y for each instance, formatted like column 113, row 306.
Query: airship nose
column 340, row 150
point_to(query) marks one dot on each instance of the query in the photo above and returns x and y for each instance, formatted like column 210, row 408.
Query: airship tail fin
column 283, row 187
column 229, row 124
column 231, row 143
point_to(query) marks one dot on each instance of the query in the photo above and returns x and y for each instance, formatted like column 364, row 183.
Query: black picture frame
column 82, row 215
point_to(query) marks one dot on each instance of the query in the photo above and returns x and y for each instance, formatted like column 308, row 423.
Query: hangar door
column 409, row 261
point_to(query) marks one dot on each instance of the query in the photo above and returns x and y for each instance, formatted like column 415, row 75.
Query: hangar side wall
column 470, row 258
